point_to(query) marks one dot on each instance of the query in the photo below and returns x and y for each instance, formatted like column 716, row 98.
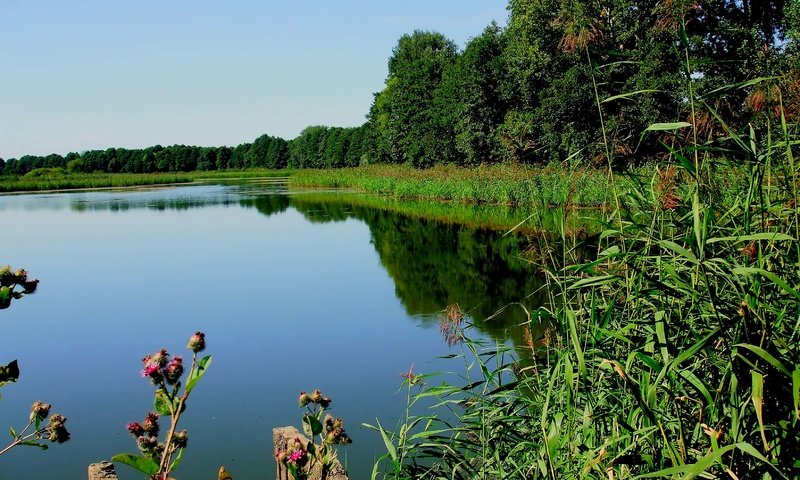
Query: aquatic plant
column 160, row 457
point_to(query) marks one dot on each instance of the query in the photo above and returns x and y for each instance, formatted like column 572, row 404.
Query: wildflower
column 180, row 439
column 147, row 444
column 197, row 342
column 334, row 431
column 296, row 456
column 39, row 411
column 136, row 429
column 58, row 432
column 410, row 376
column 150, row 423
column 154, row 366
column 174, row 370
column 318, row 398
column 304, row 399
column 151, row 370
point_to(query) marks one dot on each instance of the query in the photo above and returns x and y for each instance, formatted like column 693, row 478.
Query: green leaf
column 161, row 403
column 593, row 281
column 772, row 237
column 670, row 245
column 197, row 373
column 177, row 462
column 386, row 441
column 767, row 357
column 311, row 425
column 628, row 95
column 658, row 127
column 13, row 432
column 31, row 443
column 796, row 392
column 775, row 279
column 148, row 466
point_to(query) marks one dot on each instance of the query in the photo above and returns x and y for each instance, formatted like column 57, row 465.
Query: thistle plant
column 14, row 284
column 160, row 457
column 54, row 430
column 301, row 456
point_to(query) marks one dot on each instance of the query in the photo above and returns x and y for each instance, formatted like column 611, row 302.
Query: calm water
column 294, row 293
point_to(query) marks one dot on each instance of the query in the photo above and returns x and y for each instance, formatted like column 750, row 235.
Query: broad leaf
column 311, row 425
column 148, row 466
column 197, row 373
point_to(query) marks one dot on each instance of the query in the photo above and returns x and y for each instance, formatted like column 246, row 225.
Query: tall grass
column 674, row 353
column 61, row 179
column 498, row 184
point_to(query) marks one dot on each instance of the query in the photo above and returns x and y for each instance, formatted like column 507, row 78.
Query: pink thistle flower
column 151, row 370
column 296, row 456
column 136, row 429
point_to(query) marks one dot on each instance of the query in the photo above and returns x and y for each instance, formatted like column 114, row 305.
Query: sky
column 81, row 74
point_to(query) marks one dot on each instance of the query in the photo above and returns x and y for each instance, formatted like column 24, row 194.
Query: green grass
column 61, row 179
column 540, row 187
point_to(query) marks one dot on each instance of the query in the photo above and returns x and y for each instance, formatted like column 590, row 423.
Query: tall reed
column 674, row 353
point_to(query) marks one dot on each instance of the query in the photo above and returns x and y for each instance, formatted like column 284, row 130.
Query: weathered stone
column 102, row 471
column 280, row 439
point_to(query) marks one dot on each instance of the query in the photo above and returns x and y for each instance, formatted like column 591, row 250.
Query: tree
column 483, row 88
column 405, row 108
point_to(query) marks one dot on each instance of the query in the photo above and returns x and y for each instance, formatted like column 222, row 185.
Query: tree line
column 564, row 79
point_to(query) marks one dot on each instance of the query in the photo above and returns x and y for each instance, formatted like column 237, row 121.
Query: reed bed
column 674, row 352
column 505, row 184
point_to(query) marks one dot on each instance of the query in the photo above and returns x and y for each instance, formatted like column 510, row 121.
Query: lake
column 298, row 291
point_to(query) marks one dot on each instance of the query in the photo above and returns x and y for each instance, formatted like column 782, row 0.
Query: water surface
column 294, row 292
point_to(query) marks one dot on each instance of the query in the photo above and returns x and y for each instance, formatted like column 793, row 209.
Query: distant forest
column 576, row 80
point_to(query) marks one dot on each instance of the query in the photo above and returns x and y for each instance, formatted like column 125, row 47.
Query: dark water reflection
column 336, row 291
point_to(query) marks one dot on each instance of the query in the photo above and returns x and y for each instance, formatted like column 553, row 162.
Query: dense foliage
column 564, row 79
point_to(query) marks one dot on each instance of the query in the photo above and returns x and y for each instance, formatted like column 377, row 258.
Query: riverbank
column 505, row 184
column 55, row 179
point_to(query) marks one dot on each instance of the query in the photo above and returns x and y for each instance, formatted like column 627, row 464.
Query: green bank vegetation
column 672, row 353
column 506, row 184
column 57, row 178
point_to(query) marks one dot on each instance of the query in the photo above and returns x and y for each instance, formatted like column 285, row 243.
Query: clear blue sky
column 83, row 74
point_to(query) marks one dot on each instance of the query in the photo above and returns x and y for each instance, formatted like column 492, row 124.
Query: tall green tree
column 404, row 110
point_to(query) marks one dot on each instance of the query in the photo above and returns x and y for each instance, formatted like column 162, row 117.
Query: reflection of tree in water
column 435, row 264
column 268, row 204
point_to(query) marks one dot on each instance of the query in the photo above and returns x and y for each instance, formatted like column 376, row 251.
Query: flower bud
column 174, row 370
column 180, row 439
column 304, row 399
column 58, row 432
column 147, row 444
column 150, row 423
column 6, row 277
column 29, row 286
column 39, row 411
column 136, row 429
column 197, row 342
